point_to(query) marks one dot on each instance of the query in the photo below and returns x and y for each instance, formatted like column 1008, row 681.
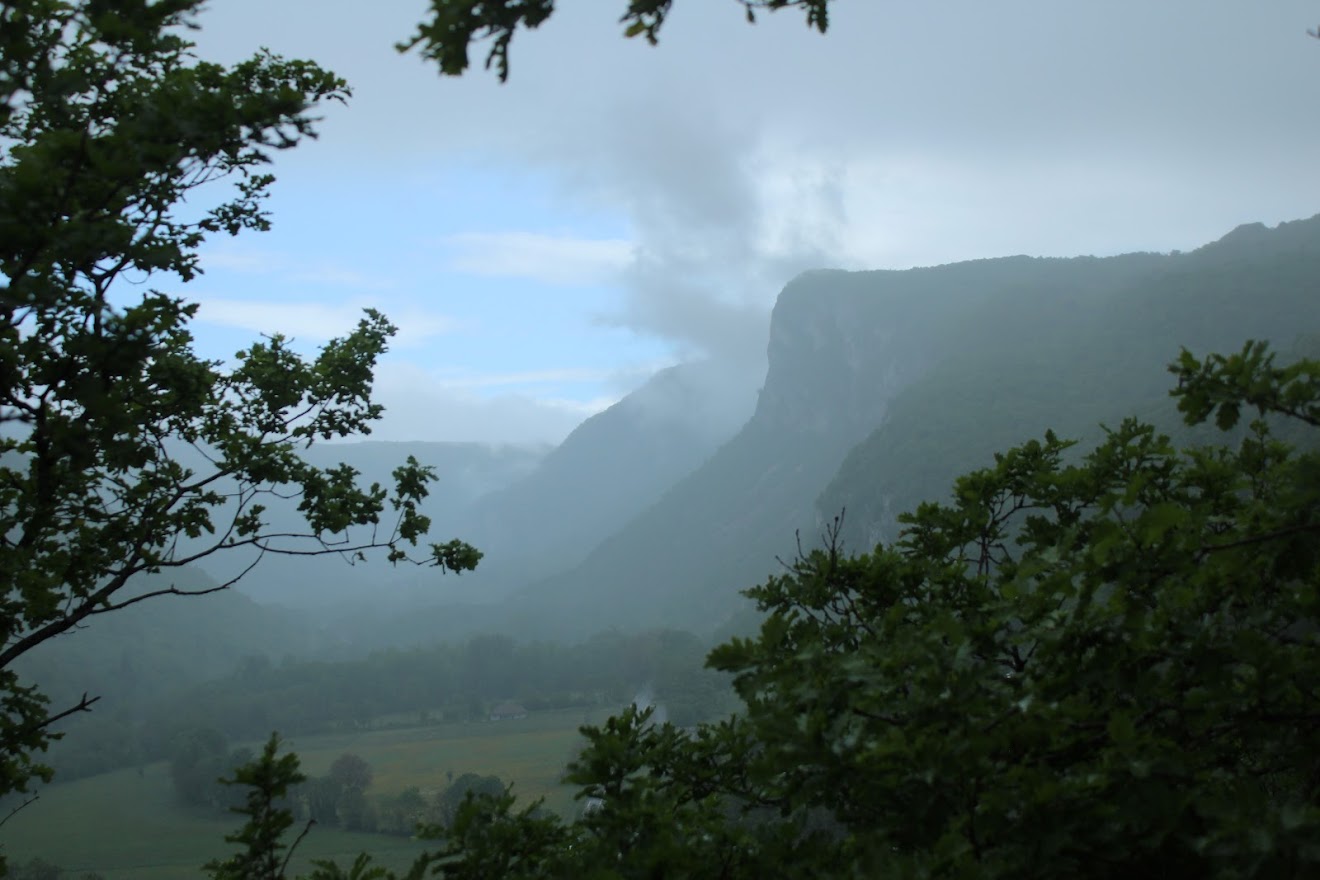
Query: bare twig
column 306, row 828
column 14, row 811
column 1301, row 528
column 84, row 705
column 171, row 591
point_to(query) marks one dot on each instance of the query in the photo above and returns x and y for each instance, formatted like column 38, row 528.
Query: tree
column 1084, row 666
column 122, row 452
column 351, row 773
column 453, row 25
column 402, row 813
column 468, row 785
column 197, row 759
column 38, row 869
column 351, row 776
column 262, row 854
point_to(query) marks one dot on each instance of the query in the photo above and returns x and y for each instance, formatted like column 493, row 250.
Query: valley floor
column 126, row 824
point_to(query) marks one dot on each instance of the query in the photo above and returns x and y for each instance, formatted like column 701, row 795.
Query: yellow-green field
column 127, row 825
column 529, row 752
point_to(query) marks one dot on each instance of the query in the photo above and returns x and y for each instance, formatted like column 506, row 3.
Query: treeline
column 201, row 759
column 342, row 799
column 442, row 683
column 40, row 869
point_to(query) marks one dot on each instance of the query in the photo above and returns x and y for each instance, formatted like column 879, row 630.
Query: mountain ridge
column 846, row 348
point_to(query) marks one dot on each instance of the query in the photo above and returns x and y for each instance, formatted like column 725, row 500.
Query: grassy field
column 529, row 752
column 126, row 825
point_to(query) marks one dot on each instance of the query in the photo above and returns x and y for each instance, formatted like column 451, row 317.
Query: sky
column 546, row 244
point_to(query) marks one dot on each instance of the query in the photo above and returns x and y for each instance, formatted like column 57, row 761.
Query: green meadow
column 126, row 824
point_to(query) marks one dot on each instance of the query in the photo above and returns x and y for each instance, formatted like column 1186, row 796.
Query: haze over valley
column 882, row 387
column 699, row 342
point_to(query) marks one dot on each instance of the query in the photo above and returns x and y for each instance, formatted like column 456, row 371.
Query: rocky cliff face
column 842, row 345
column 833, row 359
column 934, row 368
column 1070, row 345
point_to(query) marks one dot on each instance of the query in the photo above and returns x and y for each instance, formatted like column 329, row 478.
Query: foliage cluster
column 201, row 757
column 40, row 869
column 452, row 26
column 198, row 757
column 339, row 797
column 411, row 809
column 109, row 125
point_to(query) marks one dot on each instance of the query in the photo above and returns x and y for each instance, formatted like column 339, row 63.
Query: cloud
column 736, row 156
column 582, row 409
column 550, row 259
column 315, row 322
column 247, row 260
column 724, row 216
column 526, row 377
column 420, row 406
column 908, row 134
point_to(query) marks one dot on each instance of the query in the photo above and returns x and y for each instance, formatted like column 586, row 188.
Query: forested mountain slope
column 1073, row 357
column 949, row 363
column 610, row 468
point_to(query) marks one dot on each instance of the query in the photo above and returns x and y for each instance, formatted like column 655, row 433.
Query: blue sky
column 547, row 244
column 493, row 297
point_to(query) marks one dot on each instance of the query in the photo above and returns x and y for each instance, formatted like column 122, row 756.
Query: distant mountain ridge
column 609, row 469
column 464, row 472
